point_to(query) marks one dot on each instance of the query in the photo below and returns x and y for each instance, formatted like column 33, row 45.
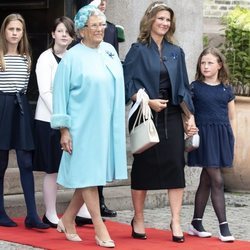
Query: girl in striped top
column 15, row 118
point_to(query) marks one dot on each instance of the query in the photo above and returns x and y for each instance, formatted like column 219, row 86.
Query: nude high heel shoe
column 70, row 237
column 104, row 243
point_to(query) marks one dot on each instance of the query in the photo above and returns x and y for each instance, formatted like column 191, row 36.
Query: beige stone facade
column 218, row 8
column 189, row 25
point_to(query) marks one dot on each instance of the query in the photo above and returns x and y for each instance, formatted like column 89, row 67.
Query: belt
column 18, row 98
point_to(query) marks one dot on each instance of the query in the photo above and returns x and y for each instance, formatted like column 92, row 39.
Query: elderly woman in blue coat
column 89, row 110
column 155, row 64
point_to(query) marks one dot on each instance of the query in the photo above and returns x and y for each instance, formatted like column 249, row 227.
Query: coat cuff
column 60, row 121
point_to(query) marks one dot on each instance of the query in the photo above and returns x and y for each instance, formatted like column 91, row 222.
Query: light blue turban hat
column 84, row 13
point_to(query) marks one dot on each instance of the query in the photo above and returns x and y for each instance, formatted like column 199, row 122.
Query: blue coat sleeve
column 132, row 83
column 61, row 93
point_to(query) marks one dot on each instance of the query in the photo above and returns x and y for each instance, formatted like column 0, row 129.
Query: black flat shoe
column 178, row 239
column 29, row 223
column 137, row 235
column 80, row 221
column 7, row 222
column 47, row 221
column 105, row 212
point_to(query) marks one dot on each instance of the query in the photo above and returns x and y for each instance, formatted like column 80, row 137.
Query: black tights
column 100, row 193
column 24, row 160
column 211, row 181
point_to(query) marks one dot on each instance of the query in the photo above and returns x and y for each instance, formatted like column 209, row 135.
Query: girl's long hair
column 148, row 20
column 23, row 47
column 223, row 74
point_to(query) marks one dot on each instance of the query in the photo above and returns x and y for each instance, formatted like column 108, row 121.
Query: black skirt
column 15, row 122
column 162, row 166
column 48, row 150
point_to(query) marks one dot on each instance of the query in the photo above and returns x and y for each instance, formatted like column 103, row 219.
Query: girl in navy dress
column 215, row 117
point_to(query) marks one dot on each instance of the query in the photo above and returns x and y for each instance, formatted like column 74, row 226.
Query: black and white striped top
column 16, row 74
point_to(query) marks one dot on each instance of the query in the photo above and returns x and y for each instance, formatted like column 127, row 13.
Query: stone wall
column 189, row 25
column 218, row 8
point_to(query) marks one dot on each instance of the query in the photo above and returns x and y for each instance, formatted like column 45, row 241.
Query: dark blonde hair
column 23, row 46
column 148, row 20
column 223, row 74
column 69, row 26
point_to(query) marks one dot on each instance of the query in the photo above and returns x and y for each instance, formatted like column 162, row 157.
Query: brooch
column 174, row 56
column 110, row 54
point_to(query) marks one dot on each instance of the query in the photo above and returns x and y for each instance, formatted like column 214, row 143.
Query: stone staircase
column 117, row 194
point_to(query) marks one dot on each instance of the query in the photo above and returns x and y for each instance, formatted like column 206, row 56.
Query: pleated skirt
column 216, row 148
column 48, row 151
column 16, row 126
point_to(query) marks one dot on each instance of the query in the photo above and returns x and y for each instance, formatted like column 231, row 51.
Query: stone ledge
column 118, row 198
column 12, row 183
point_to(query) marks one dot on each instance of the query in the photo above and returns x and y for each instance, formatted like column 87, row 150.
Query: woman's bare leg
column 138, row 198
column 91, row 198
column 69, row 215
column 175, row 200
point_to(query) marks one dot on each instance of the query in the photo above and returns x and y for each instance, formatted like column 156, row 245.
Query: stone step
column 117, row 194
column 117, row 198
column 12, row 184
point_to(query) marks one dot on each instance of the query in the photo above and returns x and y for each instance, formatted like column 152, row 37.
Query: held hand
column 66, row 141
column 190, row 126
column 157, row 104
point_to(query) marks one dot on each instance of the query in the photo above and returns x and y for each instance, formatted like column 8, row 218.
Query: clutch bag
column 192, row 142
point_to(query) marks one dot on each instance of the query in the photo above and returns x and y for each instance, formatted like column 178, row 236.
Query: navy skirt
column 48, row 150
column 216, row 148
column 15, row 122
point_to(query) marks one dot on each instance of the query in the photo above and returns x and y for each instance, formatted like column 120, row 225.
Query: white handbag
column 143, row 135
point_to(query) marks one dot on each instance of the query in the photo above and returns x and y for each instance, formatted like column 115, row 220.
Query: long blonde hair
column 148, row 20
column 23, row 46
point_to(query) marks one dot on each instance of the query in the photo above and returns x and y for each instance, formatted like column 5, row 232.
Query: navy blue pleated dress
column 211, row 115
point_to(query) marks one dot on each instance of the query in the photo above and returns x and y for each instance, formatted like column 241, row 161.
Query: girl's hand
column 190, row 126
column 66, row 141
column 157, row 104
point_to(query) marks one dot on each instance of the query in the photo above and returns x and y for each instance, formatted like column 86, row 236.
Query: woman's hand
column 157, row 104
column 66, row 141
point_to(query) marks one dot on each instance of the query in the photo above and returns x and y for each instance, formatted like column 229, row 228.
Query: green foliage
column 205, row 41
column 237, row 48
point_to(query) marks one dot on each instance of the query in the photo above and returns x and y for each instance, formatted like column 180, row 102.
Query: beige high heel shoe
column 104, row 243
column 71, row 237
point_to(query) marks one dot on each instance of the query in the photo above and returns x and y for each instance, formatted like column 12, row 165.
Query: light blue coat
column 88, row 98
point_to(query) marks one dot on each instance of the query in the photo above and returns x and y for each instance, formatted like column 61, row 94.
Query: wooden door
column 39, row 17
